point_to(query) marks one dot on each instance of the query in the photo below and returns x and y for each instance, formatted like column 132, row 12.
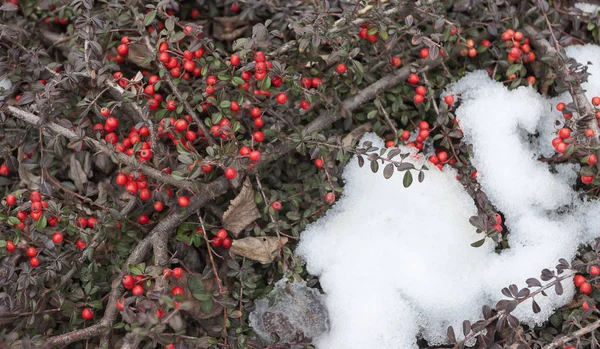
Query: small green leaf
column 149, row 18
column 407, row 180
column 478, row 243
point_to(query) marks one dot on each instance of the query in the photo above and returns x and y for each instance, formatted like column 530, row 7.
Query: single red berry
column 11, row 199
column 306, row 82
column 424, row 53
column 22, row 215
column 330, row 197
column 596, row 101
column 128, row 281
column 276, row 205
column 87, row 313
column 281, row 98
column 421, row 90
column 259, row 57
column 123, row 50
column 34, row 262
column 304, row 104
column 258, row 136
column 396, row 61
column 131, row 187
column 585, row 306
column 57, row 238
column 319, row 162
column 594, row 270
column 177, row 272
column 226, row 243
column 341, row 68
column 120, row 303
column 183, row 201
column 255, row 112
column 176, row 291
column 145, row 194
column 560, row 106
column 585, row 288
column 143, row 219
column 564, row 133
column 91, row 222
column 121, row 179
column 31, row 252
column 10, row 246
column 159, row 206
column 137, row 290
column 80, row 244
column 234, row 106
column 316, row 82
column 413, row 79
column 230, row 173
column 234, row 60
column 589, row 132
column 418, row 98
column 35, row 196
column 592, row 159
column 254, row 155
column 449, row 99
column 171, row 105
column 105, row 111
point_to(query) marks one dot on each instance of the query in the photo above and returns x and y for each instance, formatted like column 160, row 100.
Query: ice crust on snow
column 396, row 263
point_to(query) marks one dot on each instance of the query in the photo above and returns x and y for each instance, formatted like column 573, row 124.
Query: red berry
column 11, row 199
column 276, row 205
column 128, row 281
column 564, row 133
column 35, row 196
column 80, row 244
column 183, row 201
column 10, row 246
column 421, row 90
column 123, row 50
column 31, row 252
column 145, row 194
column 105, row 111
column 585, row 288
column 304, row 104
column 226, row 243
column 413, row 79
column 589, row 132
column 396, row 61
column 143, row 219
column 330, row 197
column 258, row 136
column 594, row 270
column 244, row 150
column 319, row 163
column 230, row 173
column 560, row 106
column 176, row 291
column 592, row 159
column 341, row 68
column 587, row 179
column 57, row 238
column 306, row 82
column 596, row 101
column 418, row 98
column 259, row 57
column 137, row 290
column 120, row 304
column 234, row 106
column 234, row 60
column 132, row 187
column 171, row 105
column 222, row 234
column 259, row 122
column 449, row 99
column 281, row 98
column 177, row 272
column 255, row 155
column 91, row 222
column 424, row 53
column 316, row 82
column 34, row 262
column 87, row 313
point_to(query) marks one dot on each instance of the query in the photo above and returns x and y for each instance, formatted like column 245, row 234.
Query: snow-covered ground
column 396, row 263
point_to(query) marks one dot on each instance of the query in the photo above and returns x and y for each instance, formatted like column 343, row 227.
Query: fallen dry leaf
column 242, row 210
column 77, row 173
column 262, row 249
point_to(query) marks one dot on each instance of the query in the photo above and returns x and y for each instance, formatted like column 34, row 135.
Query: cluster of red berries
column 581, row 281
column 421, row 137
column 517, row 46
column 420, row 90
column 221, row 239
column 365, row 30
column 329, row 197
column 30, row 252
column 135, row 183
column 470, row 48
column 439, row 159
column 122, row 49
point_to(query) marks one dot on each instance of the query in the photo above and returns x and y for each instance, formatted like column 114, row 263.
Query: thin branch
column 577, row 334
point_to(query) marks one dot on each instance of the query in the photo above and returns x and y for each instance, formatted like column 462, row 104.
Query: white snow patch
column 588, row 8
column 396, row 263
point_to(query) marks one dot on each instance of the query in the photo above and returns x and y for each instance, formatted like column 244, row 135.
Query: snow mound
column 396, row 263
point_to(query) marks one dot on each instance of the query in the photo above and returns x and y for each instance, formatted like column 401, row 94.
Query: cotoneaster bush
column 129, row 127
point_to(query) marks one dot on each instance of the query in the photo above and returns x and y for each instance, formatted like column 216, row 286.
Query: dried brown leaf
column 262, row 249
column 242, row 210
